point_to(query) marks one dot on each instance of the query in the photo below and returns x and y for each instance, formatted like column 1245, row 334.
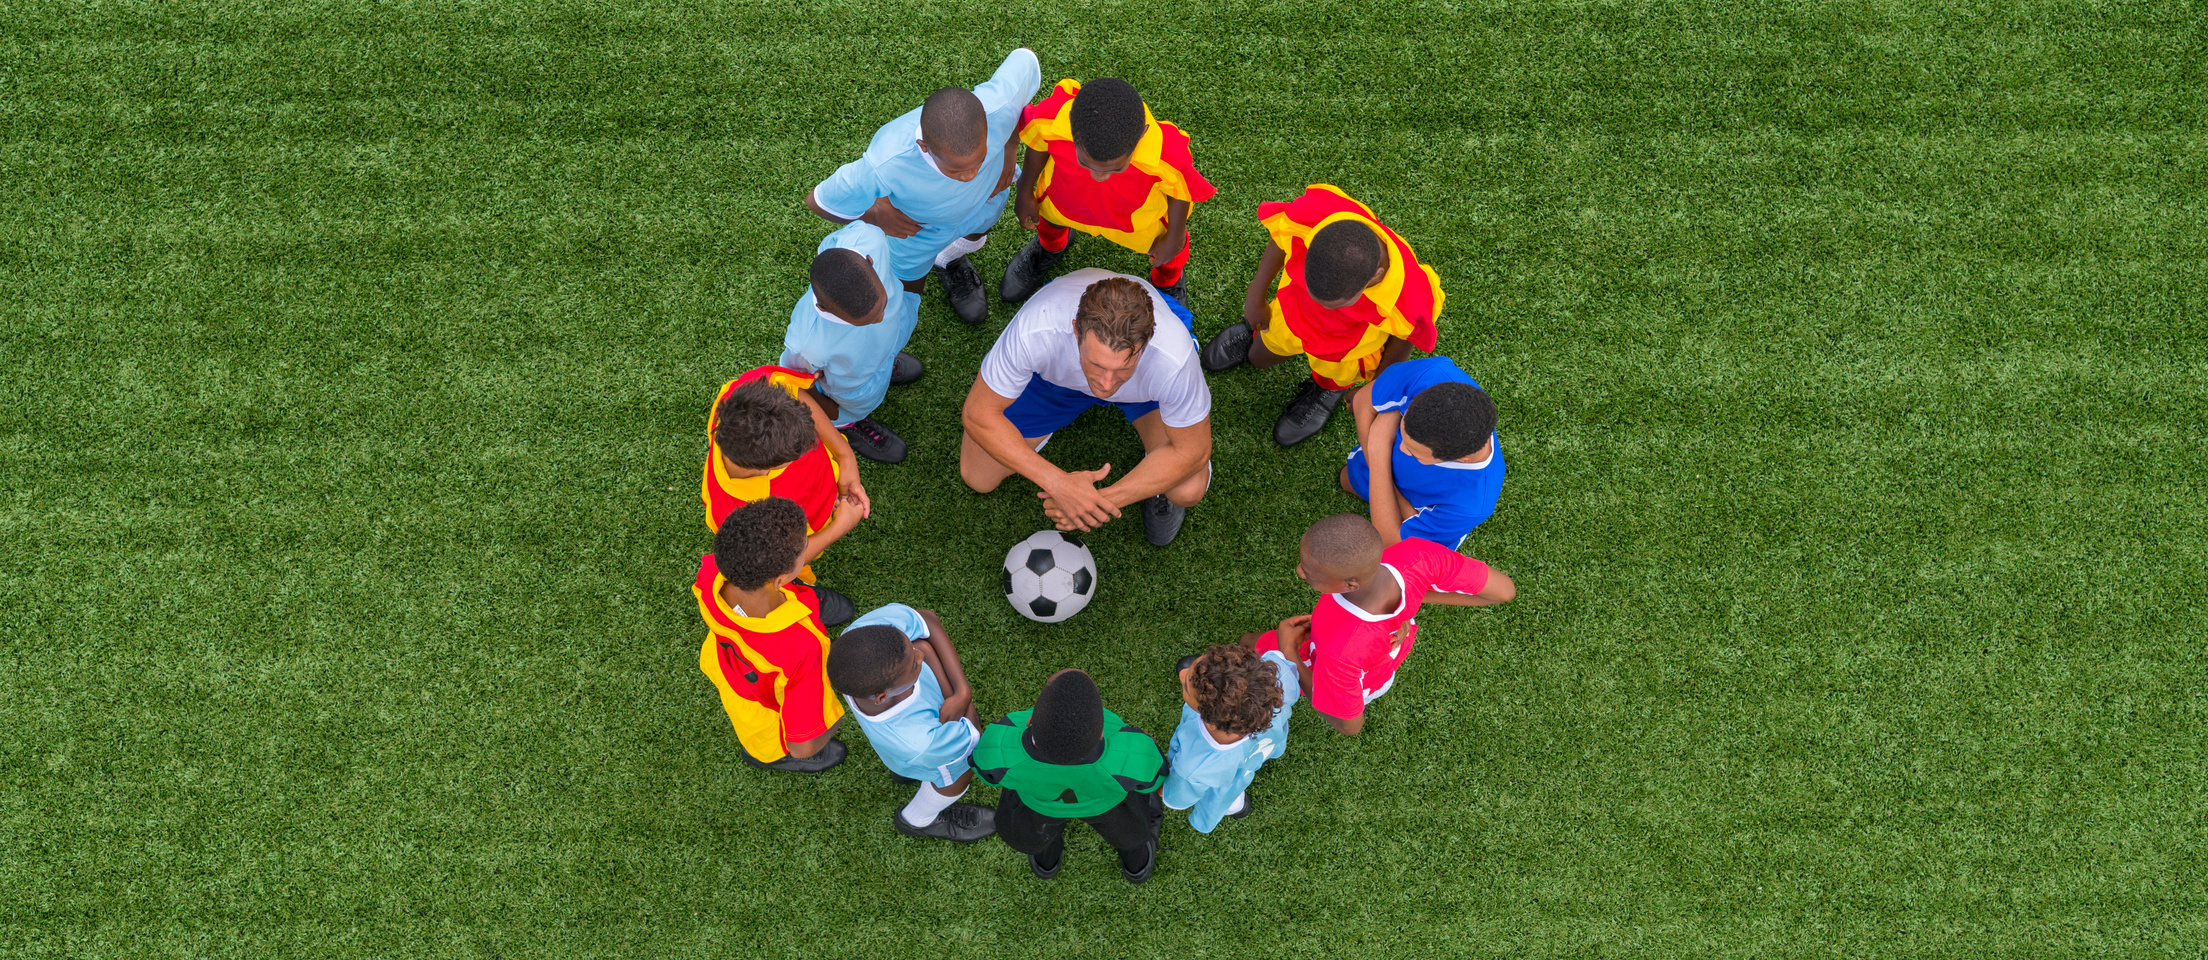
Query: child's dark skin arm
column 1024, row 204
column 1168, row 244
column 1397, row 351
column 958, row 696
column 1261, row 286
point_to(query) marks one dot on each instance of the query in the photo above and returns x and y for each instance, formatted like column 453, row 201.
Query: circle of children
column 782, row 479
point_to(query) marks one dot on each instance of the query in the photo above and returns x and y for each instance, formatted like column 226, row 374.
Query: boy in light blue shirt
column 936, row 180
column 850, row 330
column 1234, row 717
column 898, row 672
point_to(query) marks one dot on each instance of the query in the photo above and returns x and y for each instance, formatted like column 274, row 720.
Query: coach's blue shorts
column 1045, row 407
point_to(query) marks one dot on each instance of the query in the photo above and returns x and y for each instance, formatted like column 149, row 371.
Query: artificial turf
column 1849, row 355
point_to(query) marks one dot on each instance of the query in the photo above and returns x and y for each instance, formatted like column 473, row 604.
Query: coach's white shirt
column 1039, row 342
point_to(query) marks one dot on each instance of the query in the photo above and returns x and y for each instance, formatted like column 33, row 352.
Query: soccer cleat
column 873, row 441
column 1306, row 414
column 962, row 287
column 835, row 608
column 899, row 778
column 905, row 369
column 958, row 823
column 1028, row 271
column 828, row 756
column 1035, row 866
column 1139, row 876
column 1178, row 290
column 1161, row 520
column 1247, row 804
column 1229, row 348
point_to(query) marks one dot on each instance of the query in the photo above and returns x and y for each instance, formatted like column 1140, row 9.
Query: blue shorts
column 1360, row 473
column 1045, row 407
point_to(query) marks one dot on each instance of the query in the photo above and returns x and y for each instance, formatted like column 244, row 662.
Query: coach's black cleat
column 962, row 287
column 958, row 823
column 1229, row 348
column 1029, row 270
column 1306, row 414
column 1139, row 876
column 828, row 756
column 835, row 608
column 905, row 369
column 1161, row 520
column 873, row 441
column 1036, row 867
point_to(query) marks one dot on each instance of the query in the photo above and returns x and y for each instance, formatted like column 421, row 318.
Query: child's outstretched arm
column 847, row 463
column 958, row 695
column 1261, row 286
column 1499, row 589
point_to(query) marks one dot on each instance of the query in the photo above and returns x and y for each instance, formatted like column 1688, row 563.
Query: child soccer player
column 1234, row 717
column 1098, row 162
column 935, row 181
column 1069, row 757
column 766, row 438
column 896, row 669
column 765, row 646
column 1352, row 299
column 1446, row 470
column 851, row 327
column 1352, row 644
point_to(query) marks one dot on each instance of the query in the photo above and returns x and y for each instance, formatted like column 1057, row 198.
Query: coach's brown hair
column 1117, row 312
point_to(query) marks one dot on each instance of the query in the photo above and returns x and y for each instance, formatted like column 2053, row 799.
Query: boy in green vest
column 1069, row 757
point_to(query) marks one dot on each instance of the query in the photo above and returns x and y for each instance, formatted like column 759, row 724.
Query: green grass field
column 1850, row 358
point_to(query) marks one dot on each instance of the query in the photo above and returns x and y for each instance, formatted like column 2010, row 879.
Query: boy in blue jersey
column 1234, row 717
column 849, row 330
column 1446, row 471
column 936, row 179
column 896, row 668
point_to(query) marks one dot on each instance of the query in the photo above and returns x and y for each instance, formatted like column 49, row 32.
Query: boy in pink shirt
column 1351, row 645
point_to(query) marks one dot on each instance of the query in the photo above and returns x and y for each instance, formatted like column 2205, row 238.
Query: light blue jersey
column 910, row 737
column 853, row 362
column 1207, row 776
column 894, row 166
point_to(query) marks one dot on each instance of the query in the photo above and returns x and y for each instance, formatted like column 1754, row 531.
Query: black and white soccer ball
column 1049, row 576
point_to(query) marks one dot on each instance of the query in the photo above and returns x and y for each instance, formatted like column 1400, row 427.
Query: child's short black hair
column 759, row 426
column 843, row 279
column 1454, row 419
column 1345, row 545
column 1107, row 119
column 954, row 123
column 759, row 542
column 865, row 661
column 1068, row 723
column 1236, row 691
column 1341, row 259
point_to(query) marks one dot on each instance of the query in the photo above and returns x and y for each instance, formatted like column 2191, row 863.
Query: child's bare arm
column 1380, row 476
column 1168, row 244
column 1261, row 285
column 1499, row 589
column 1024, row 204
column 958, row 696
column 847, row 463
column 1396, row 351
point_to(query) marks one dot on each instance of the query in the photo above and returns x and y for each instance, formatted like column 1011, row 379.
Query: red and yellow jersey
column 810, row 480
column 1403, row 304
column 771, row 671
column 1129, row 207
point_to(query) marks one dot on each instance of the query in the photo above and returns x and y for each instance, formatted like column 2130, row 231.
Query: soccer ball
column 1049, row 576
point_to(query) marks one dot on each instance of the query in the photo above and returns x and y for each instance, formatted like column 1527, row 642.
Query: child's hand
column 1293, row 631
column 1024, row 207
column 1167, row 246
column 893, row 221
column 849, row 491
column 1402, row 633
column 1255, row 314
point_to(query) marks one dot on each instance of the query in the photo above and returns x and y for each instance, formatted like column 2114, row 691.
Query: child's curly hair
column 1236, row 690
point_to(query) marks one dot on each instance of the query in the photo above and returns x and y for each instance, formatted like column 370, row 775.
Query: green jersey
column 1129, row 762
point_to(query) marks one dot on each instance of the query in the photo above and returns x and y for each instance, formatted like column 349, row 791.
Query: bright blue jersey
column 894, row 166
column 853, row 363
column 1451, row 498
column 1206, row 776
column 911, row 737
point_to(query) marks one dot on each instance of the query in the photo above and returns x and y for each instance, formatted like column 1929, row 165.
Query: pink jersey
column 1352, row 653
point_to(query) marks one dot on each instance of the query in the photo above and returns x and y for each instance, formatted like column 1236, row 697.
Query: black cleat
column 1035, row 866
column 1247, row 805
column 958, row 823
column 1029, row 270
column 835, row 608
column 899, row 778
column 1186, row 662
column 905, row 369
column 1178, row 291
column 1306, row 414
column 828, row 756
column 1139, row 876
column 1161, row 520
column 1229, row 348
column 962, row 287
column 873, row 441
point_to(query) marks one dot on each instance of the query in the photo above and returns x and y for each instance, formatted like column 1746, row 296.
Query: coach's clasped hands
column 1073, row 503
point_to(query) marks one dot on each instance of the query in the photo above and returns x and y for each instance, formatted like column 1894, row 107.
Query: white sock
column 1241, row 800
column 927, row 804
column 959, row 248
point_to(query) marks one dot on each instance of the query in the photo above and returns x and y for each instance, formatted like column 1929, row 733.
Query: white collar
column 1360, row 612
column 930, row 158
column 1492, row 444
column 1205, row 729
column 830, row 317
column 895, row 710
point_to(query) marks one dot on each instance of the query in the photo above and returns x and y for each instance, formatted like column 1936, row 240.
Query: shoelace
column 866, row 428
